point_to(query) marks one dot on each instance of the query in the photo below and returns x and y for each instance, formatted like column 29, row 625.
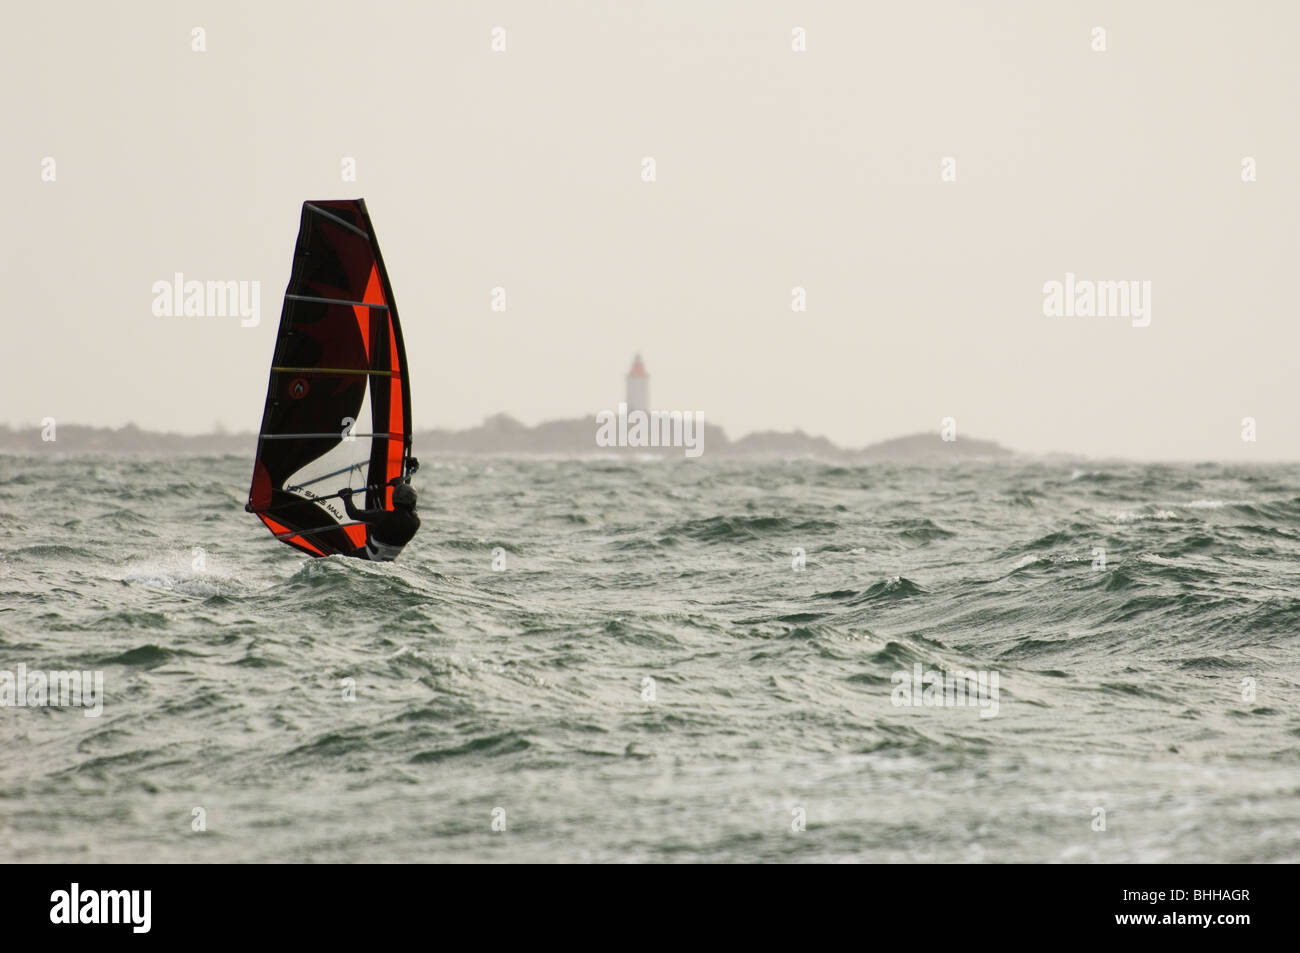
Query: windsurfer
column 387, row 531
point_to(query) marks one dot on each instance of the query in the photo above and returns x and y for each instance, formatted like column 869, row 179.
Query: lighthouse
column 638, row 387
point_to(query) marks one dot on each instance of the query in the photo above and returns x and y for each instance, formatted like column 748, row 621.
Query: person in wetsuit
column 387, row 531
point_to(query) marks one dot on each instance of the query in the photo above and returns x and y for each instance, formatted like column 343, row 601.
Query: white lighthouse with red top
column 638, row 387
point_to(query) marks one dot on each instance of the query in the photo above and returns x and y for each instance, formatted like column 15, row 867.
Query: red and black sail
column 338, row 406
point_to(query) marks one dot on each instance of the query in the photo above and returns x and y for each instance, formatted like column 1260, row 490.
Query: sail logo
column 132, row 907
column 1098, row 299
column 653, row 428
column 23, row 689
column 946, row 689
column 179, row 298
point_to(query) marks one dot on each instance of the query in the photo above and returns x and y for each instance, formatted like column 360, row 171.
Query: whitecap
column 1134, row 517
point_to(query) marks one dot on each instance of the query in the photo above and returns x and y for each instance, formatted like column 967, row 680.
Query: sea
column 621, row 659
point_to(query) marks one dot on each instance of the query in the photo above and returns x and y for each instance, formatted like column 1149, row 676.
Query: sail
column 338, row 405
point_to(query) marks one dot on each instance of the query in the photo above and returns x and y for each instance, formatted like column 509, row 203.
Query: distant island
column 502, row 434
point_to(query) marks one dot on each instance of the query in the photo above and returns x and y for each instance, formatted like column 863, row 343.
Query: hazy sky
column 775, row 169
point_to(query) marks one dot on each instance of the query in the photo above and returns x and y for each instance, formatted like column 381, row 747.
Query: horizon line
column 251, row 435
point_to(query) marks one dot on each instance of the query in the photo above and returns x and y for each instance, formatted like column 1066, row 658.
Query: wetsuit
column 387, row 531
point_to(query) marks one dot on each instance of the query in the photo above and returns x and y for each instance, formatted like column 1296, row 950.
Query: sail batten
column 339, row 367
column 355, row 304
